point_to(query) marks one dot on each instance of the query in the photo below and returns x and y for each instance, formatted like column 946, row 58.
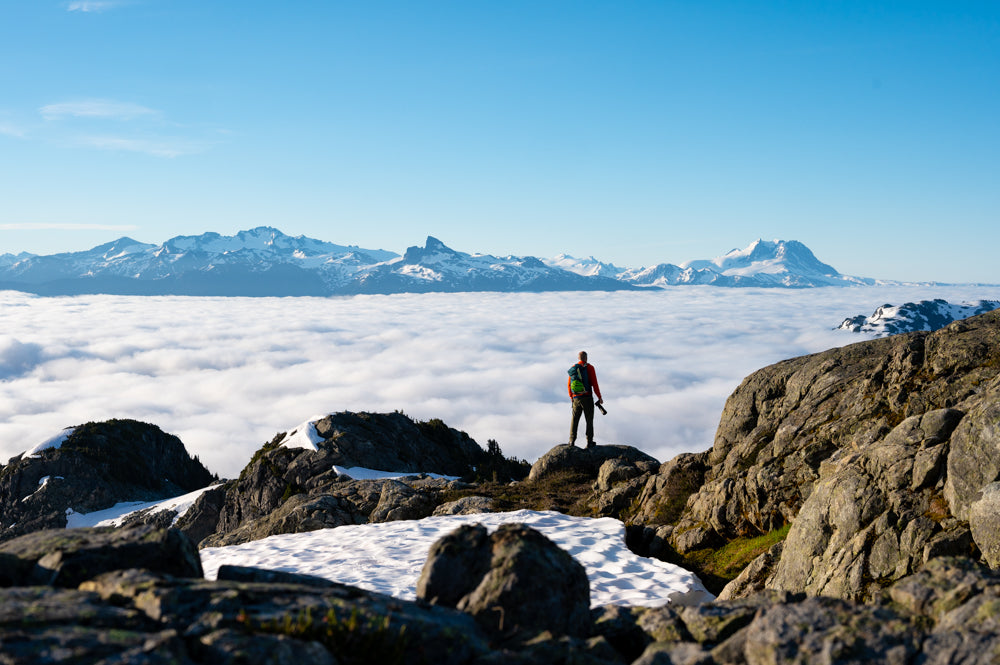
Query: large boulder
column 400, row 501
column 67, row 557
column 98, row 465
column 512, row 581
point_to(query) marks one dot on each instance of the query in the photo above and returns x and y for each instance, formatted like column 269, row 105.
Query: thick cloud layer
column 226, row 374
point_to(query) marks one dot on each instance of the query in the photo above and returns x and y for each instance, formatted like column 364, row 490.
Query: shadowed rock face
column 874, row 452
column 99, row 465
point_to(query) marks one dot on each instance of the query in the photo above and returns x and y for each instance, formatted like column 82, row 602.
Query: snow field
column 388, row 557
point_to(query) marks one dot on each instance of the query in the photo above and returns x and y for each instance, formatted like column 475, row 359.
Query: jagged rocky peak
column 93, row 467
column 433, row 251
column 909, row 317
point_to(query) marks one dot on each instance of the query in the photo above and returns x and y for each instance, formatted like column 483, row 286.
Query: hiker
column 582, row 385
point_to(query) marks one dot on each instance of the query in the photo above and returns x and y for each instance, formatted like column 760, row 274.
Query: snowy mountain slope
column 588, row 267
column 909, row 317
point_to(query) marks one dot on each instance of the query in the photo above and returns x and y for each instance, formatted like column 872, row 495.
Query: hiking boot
column 572, row 443
column 591, row 444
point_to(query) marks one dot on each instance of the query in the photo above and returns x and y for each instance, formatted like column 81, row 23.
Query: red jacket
column 592, row 379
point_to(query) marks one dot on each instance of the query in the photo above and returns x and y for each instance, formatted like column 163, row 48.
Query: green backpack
column 579, row 382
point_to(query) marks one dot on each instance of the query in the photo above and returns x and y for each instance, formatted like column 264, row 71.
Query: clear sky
column 639, row 132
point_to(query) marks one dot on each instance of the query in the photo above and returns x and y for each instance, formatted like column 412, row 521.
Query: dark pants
column 582, row 406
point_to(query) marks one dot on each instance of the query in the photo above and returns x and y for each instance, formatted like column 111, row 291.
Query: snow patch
column 361, row 473
column 52, row 442
column 117, row 514
column 42, row 482
column 179, row 504
column 304, row 436
column 387, row 558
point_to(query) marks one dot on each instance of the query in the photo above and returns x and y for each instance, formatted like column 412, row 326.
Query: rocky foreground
column 136, row 595
column 874, row 468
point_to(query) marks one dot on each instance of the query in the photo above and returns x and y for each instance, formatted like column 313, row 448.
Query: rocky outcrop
column 512, row 581
column 394, row 442
column 588, row 460
column 98, row 465
column 292, row 489
column 616, row 473
column 874, row 452
column 870, row 518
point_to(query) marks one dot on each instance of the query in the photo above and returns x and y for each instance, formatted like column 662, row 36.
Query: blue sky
column 638, row 132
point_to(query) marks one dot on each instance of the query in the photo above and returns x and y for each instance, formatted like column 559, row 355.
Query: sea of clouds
column 227, row 374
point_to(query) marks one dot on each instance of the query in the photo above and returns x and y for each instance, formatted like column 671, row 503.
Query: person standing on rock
column 582, row 385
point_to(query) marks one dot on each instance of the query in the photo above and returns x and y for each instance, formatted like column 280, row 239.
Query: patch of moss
column 937, row 508
column 718, row 567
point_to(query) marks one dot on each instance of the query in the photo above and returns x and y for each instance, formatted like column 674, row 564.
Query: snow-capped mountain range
column 910, row 317
column 266, row 262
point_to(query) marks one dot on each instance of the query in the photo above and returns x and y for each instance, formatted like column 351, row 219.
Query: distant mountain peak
column 433, row 251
